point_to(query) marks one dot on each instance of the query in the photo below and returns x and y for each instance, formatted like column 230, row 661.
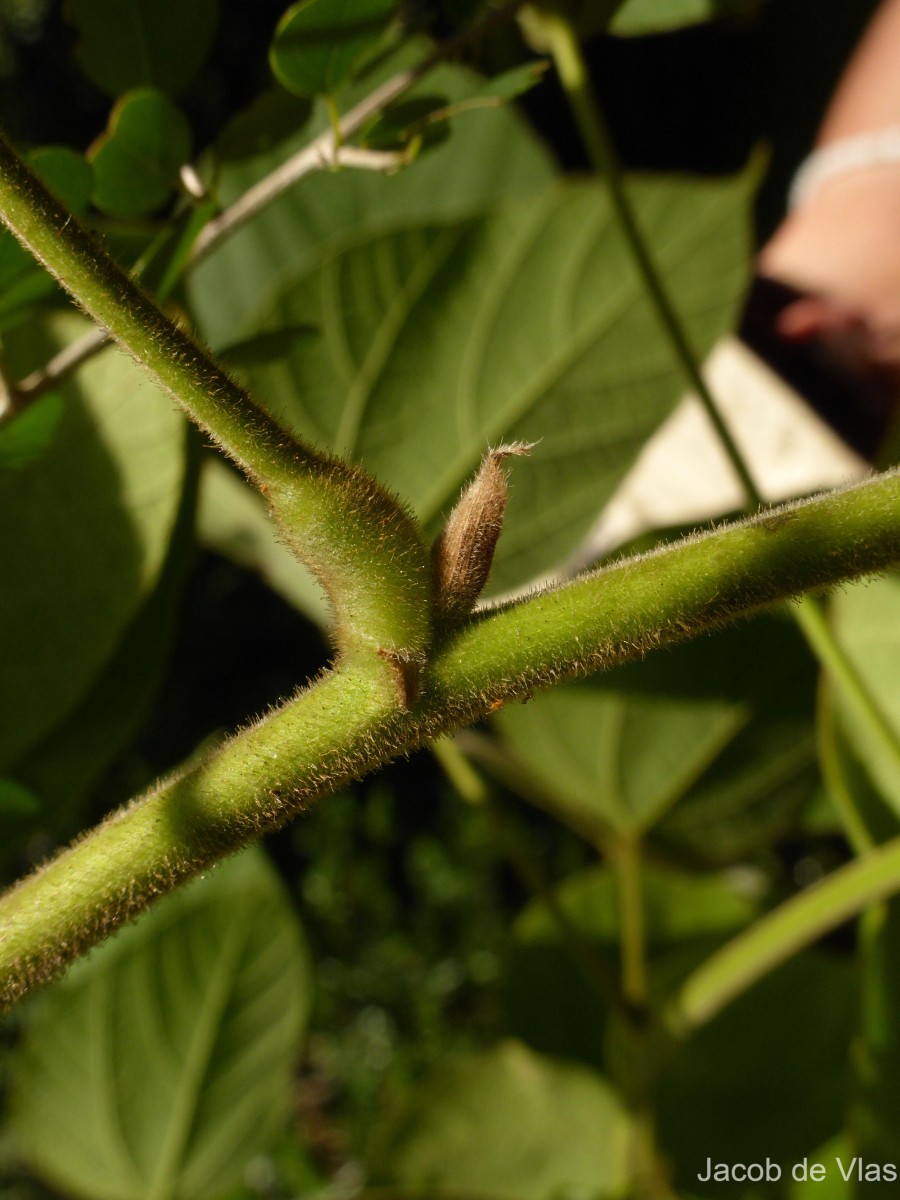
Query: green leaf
column 499, row 156
column 270, row 119
column 63, row 765
column 85, row 532
column 551, row 1001
column 318, row 42
column 511, row 1125
column 137, row 160
column 782, row 1049
column 24, row 282
column 637, row 18
column 620, row 750
column 123, row 44
column 528, row 324
column 232, row 520
column 866, row 622
column 24, row 439
column 17, row 801
column 160, row 1065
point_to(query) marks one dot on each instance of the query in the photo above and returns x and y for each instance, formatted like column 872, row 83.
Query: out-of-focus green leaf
column 160, row 1065
column 511, row 1125
column 232, row 520
column 272, row 117
column 124, row 44
column 17, row 802
column 551, row 999
column 782, row 1049
column 641, row 17
column 866, row 621
column 442, row 339
column 25, row 438
column 499, row 156
column 428, row 117
column 64, row 764
column 85, row 531
column 137, row 160
column 318, row 42
column 620, row 750
column 23, row 281
column 832, row 1185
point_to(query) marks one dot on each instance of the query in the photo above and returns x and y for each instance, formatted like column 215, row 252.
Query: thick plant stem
column 573, row 75
column 359, row 540
column 349, row 723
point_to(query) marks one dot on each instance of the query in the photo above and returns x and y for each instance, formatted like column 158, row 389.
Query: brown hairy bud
column 464, row 551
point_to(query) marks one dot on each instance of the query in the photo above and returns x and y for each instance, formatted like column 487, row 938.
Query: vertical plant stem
column 573, row 75
column 829, row 759
column 631, row 921
column 811, row 618
column 473, row 790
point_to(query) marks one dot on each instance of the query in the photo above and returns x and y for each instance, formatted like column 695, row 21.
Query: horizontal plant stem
column 798, row 923
column 347, row 724
column 360, row 541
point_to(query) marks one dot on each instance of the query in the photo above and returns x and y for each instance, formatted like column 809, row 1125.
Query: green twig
column 798, row 923
column 811, row 618
column 360, row 542
column 563, row 46
column 349, row 723
column 627, row 863
column 829, row 759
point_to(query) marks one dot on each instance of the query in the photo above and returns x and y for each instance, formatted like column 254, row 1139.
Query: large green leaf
column 60, row 769
column 866, row 618
column 511, row 1125
column 123, row 44
column 160, row 1065
column 766, row 1078
column 551, row 996
column 318, row 42
column 85, row 530
column 498, row 156
column 531, row 323
column 620, row 750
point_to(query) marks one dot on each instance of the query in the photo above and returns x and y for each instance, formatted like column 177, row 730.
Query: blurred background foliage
column 420, row 992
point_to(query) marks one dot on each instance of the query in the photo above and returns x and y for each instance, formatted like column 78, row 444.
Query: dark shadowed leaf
column 124, row 44
column 318, row 42
column 86, row 529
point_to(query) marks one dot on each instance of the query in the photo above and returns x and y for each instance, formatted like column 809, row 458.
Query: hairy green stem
column 348, row 723
column 776, row 937
column 562, row 42
column 359, row 540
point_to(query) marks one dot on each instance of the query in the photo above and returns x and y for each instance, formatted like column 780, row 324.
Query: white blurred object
column 682, row 476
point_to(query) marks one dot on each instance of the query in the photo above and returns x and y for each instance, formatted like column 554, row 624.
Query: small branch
column 348, row 723
column 811, row 618
column 359, row 541
column 324, row 151
column 573, row 75
column 796, row 924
